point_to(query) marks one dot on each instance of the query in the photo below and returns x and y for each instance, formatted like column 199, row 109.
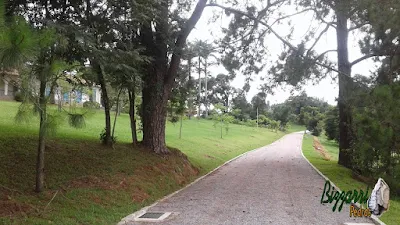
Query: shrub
column 317, row 129
column 274, row 125
column 103, row 137
column 251, row 123
column 91, row 105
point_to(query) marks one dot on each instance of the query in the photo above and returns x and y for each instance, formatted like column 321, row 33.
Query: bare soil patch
column 320, row 148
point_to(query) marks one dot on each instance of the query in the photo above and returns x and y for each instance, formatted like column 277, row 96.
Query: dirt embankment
column 92, row 175
column 320, row 148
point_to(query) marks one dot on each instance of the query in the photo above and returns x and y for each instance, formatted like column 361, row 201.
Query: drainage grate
column 153, row 216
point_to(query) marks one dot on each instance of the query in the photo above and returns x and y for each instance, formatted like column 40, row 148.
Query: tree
column 93, row 36
column 220, row 90
column 222, row 118
column 40, row 50
column 161, row 72
column 242, row 107
column 375, row 127
column 259, row 104
column 189, row 54
column 332, row 124
column 204, row 51
column 281, row 112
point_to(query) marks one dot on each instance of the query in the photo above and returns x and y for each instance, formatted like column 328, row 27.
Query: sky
column 326, row 89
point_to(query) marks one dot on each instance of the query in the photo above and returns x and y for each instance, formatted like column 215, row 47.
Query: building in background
column 8, row 84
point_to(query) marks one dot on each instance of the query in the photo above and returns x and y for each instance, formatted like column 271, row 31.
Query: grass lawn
column 89, row 184
column 295, row 128
column 342, row 176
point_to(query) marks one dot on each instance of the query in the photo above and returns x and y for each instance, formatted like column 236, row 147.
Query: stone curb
column 374, row 218
column 131, row 217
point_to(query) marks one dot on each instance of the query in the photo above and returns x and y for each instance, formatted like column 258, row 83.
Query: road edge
column 374, row 218
column 131, row 217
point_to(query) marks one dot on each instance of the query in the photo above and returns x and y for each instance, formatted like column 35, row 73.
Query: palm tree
column 204, row 51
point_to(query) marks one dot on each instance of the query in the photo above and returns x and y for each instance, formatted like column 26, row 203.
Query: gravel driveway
column 272, row 185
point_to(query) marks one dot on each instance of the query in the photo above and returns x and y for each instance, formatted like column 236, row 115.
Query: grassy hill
column 89, row 184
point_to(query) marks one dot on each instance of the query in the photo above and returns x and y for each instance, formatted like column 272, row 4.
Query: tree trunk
column 160, row 76
column 106, row 103
column 60, row 99
column 116, row 113
column 180, row 128
column 205, row 86
column 53, row 95
column 131, row 94
column 189, row 91
column 155, row 98
column 199, row 94
column 344, row 68
column 42, row 138
column 221, row 127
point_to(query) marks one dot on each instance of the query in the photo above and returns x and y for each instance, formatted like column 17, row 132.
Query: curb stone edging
column 374, row 218
column 131, row 217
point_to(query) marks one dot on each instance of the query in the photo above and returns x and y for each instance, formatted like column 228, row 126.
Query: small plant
column 103, row 137
column 76, row 120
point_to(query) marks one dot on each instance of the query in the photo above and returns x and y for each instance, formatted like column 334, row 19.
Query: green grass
column 342, row 176
column 96, row 185
column 295, row 128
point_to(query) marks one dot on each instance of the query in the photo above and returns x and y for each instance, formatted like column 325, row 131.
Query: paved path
column 272, row 185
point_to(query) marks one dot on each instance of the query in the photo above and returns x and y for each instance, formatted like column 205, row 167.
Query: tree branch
column 290, row 15
column 253, row 18
column 357, row 26
column 332, row 24
column 362, row 59
column 285, row 41
column 327, row 51
column 319, row 37
column 181, row 40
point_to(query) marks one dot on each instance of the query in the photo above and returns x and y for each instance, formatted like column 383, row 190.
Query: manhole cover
column 153, row 216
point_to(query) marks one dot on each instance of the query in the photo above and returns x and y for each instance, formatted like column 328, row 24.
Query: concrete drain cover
column 153, row 216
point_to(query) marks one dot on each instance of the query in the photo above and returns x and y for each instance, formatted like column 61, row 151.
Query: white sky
column 326, row 89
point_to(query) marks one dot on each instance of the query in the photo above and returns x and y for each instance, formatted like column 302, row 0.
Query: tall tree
column 205, row 51
column 161, row 72
column 222, row 91
column 241, row 105
column 259, row 103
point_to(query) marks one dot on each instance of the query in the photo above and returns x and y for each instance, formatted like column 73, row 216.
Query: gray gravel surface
column 272, row 185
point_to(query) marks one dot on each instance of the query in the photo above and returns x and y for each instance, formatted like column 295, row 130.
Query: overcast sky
column 326, row 89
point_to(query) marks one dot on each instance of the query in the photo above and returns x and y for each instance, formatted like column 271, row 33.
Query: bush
column 18, row 97
column 317, row 129
column 91, row 105
column 274, row 125
column 251, row 123
column 103, row 137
